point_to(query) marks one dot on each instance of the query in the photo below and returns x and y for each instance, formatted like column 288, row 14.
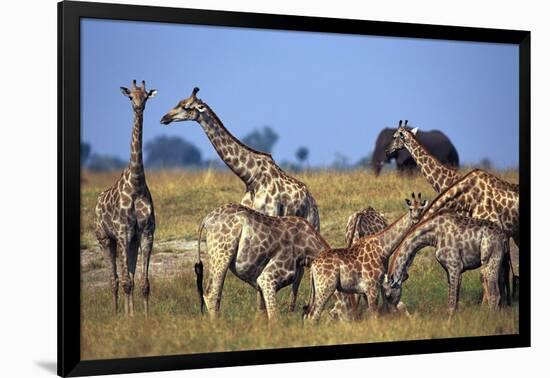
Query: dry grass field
column 182, row 198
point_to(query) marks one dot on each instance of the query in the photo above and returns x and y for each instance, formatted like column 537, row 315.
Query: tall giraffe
column 269, row 189
column 266, row 252
column 125, row 217
column 461, row 243
column 359, row 269
column 439, row 175
column 360, row 224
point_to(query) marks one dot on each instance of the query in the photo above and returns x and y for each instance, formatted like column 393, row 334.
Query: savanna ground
column 183, row 198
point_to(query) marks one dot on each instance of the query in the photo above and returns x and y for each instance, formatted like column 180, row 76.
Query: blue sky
column 332, row 93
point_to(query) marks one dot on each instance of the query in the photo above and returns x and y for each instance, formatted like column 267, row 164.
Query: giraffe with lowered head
column 269, row 189
column 442, row 177
column 125, row 217
column 359, row 269
column 461, row 243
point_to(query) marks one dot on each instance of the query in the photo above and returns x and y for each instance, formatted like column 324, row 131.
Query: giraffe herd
column 273, row 235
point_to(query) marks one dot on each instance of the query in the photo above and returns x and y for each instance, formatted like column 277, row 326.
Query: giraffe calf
column 360, row 268
column 361, row 223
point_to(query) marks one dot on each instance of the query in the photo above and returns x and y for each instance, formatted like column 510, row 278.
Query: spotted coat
column 125, row 216
column 266, row 252
column 461, row 244
column 358, row 269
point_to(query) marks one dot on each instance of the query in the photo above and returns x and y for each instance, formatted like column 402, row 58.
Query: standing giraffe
column 461, row 244
column 266, row 252
column 269, row 189
column 359, row 269
column 360, row 224
column 125, row 217
column 438, row 175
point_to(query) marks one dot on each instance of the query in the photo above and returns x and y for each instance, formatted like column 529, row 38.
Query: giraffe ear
column 200, row 107
column 425, row 203
column 408, row 201
column 414, row 131
column 125, row 91
column 152, row 93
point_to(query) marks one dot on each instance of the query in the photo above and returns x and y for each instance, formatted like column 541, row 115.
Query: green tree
column 169, row 152
column 85, row 151
column 262, row 139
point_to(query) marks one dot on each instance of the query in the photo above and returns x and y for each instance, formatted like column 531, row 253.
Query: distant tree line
column 173, row 152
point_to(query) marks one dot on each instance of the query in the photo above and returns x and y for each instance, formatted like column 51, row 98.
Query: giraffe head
column 189, row 109
column 400, row 137
column 138, row 95
column 392, row 289
column 416, row 207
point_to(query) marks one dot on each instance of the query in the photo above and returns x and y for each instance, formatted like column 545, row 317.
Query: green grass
column 176, row 326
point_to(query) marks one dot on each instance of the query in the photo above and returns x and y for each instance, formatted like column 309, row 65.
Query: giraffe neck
column 393, row 234
column 421, row 236
column 438, row 175
column 240, row 158
column 137, row 174
column 455, row 197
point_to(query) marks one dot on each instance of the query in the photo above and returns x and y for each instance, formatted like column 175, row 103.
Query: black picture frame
column 69, row 15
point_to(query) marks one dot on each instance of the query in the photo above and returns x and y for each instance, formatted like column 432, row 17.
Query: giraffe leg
column 146, row 248
column 295, row 287
column 268, row 286
column 322, row 295
column 515, row 275
column 218, row 265
column 108, row 247
column 345, row 307
column 126, row 282
column 371, row 295
column 324, row 287
column 270, row 280
column 133, row 250
column 454, row 278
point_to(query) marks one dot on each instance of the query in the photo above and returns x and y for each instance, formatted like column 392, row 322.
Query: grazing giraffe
column 481, row 195
column 125, row 217
column 361, row 223
column 358, row 269
column 266, row 252
column 438, row 175
column 461, row 243
column 269, row 189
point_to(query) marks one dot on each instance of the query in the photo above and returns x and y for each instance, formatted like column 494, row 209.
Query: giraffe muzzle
column 166, row 119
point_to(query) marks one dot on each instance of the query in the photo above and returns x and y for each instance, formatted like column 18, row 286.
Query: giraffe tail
column 199, row 270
